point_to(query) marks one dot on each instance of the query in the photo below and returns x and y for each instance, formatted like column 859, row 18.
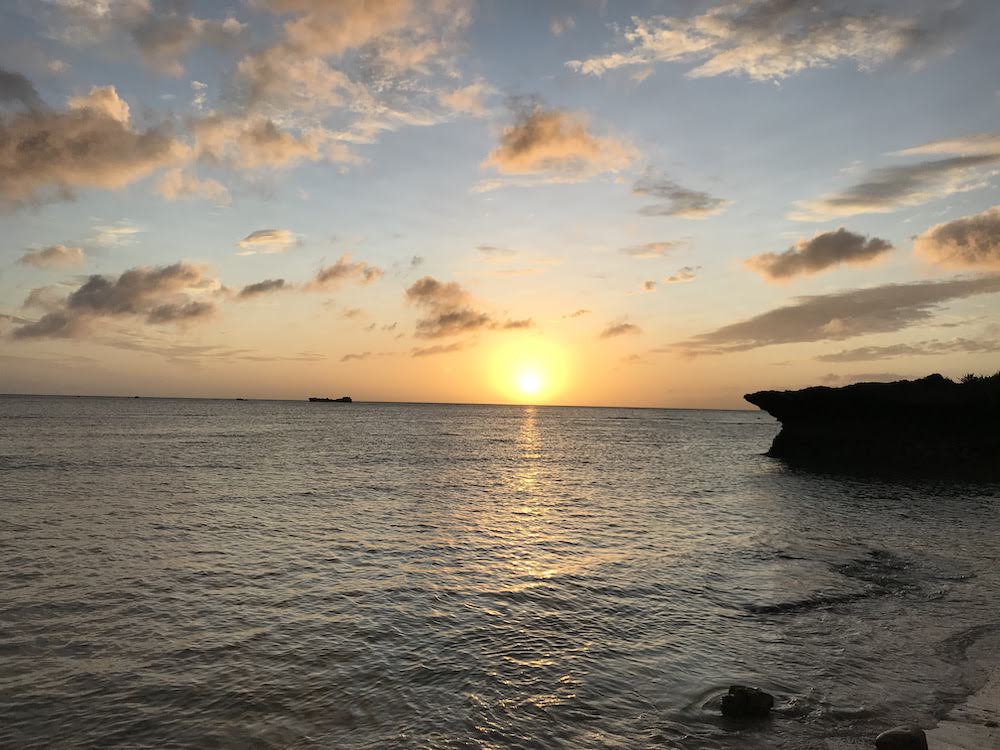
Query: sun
column 530, row 382
column 528, row 369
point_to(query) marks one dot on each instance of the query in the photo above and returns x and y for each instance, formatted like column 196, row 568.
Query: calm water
column 182, row 573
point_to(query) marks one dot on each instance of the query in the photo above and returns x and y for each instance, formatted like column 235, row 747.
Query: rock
column 742, row 702
column 902, row 738
column 928, row 427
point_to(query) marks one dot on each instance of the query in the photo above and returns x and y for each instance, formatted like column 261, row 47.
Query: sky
column 664, row 204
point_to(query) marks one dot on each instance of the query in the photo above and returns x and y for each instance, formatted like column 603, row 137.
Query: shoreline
column 974, row 724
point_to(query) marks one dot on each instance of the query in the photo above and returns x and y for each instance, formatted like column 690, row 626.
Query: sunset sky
column 574, row 202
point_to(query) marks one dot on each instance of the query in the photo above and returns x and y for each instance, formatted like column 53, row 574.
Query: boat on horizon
column 341, row 400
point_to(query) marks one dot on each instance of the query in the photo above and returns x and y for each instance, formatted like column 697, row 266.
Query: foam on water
column 290, row 575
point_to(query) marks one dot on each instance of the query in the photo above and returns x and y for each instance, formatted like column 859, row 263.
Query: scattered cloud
column 555, row 143
column 113, row 235
column 833, row 379
column 840, row 315
column 494, row 250
column 770, row 40
column 676, row 200
column 46, row 154
column 467, row 100
column 648, row 286
column 54, row 257
column 268, row 286
column 577, row 313
column 819, row 253
column 682, row 275
column 651, row 249
column 447, row 309
column 268, row 241
column 559, row 25
column 161, row 294
column 932, row 347
column 344, row 270
column 176, row 184
column 429, row 351
column 889, row 189
column 966, row 145
column 969, row 242
column 619, row 329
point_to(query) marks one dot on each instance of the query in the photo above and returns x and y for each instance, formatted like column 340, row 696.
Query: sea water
column 268, row 574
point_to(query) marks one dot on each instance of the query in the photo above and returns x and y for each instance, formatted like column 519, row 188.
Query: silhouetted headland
column 927, row 427
column 341, row 400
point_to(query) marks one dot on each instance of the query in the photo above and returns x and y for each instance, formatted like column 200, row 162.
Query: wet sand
column 972, row 725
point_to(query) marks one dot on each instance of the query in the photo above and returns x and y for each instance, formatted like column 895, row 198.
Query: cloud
column 770, row 40
column 344, row 270
column 268, row 241
column 494, row 250
column 650, row 249
column 177, row 184
column 577, row 313
column 557, row 143
column 268, row 286
column 682, row 275
column 840, row 315
column 819, row 253
column 14, row 87
column 888, row 189
column 558, row 25
column 447, row 309
column 161, row 294
column 648, row 286
column 120, row 233
column 516, row 325
column 967, row 145
column 162, row 34
column 933, row 347
column 969, row 242
column 428, row 351
column 833, row 379
column 255, row 142
column 45, row 155
column 619, row 329
column 467, row 100
column 677, row 200
column 54, row 256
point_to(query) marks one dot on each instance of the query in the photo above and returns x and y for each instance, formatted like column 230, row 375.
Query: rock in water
column 746, row 703
column 902, row 738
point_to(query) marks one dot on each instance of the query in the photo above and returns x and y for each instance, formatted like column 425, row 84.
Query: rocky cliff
column 927, row 427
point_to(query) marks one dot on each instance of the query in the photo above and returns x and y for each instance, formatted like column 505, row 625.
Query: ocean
column 181, row 573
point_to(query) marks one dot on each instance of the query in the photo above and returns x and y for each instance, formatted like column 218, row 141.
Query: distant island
column 931, row 427
column 341, row 400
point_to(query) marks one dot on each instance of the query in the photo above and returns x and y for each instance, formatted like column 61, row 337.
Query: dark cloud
column 773, row 39
column 676, row 200
column 932, row 347
column 267, row 286
column 648, row 286
column 619, row 329
column 344, row 270
column 428, row 351
column 841, row 315
column 45, row 155
column 447, row 309
column 54, row 257
column 970, row 242
column 890, row 188
column 577, row 313
column 819, row 253
column 159, row 294
column 556, row 142
column 515, row 325
column 14, row 87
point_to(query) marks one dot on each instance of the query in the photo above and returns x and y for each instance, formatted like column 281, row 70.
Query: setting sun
column 528, row 369
column 530, row 382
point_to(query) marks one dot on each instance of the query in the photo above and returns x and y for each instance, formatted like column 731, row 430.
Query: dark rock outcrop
column 928, row 427
column 902, row 738
column 743, row 702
